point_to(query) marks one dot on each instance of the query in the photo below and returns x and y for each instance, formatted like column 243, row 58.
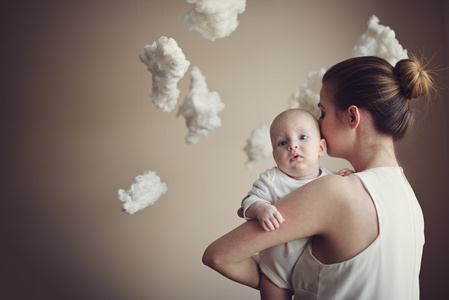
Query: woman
column 367, row 228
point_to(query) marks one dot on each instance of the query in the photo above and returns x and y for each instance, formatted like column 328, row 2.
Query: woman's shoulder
column 339, row 186
column 343, row 195
column 332, row 196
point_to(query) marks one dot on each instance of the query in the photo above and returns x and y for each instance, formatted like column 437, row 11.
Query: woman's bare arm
column 228, row 255
column 308, row 211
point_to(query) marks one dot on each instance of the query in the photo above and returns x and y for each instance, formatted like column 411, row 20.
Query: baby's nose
column 292, row 146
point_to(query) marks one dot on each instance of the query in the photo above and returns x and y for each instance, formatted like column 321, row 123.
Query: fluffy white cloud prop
column 214, row 19
column 308, row 95
column 379, row 40
column 200, row 108
column 168, row 64
column 258, row 146
column 146, row 190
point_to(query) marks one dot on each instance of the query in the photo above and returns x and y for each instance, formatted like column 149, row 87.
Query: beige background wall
column 77, row 125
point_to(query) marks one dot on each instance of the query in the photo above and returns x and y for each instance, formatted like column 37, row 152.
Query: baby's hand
column 345, row 172
column 268, row 215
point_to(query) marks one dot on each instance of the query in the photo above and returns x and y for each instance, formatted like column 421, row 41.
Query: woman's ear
column 354, row 116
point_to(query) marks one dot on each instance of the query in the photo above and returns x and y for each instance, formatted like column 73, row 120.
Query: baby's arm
column 258, row 204
column 268, row 215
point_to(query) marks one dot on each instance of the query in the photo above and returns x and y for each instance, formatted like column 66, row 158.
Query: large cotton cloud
column 146, row 190
column 214, row 19
column 168, row 64
column 258, row 146
column 379, row 40
column 308, row 95
column 200, row 108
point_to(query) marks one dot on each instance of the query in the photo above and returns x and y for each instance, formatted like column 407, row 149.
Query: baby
column 297, row 148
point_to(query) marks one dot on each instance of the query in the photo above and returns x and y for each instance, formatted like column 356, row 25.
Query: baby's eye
column 282, row 143
column 303, row 137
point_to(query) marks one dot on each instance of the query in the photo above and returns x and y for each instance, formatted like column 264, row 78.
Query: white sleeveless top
column 386, row 269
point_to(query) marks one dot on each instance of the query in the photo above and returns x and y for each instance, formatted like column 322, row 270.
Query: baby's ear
column 322, row 149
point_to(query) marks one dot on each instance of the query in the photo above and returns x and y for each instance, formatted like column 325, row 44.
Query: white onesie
column 277, row 262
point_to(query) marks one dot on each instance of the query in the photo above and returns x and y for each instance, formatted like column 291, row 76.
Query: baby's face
column 297, row 145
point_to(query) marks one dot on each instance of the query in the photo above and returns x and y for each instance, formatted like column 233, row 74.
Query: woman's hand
column 240, row 210
column 345, row 172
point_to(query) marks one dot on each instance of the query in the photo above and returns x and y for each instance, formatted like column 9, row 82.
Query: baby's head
column 297, row 143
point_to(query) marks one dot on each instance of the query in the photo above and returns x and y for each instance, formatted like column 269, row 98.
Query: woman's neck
column 373, row 153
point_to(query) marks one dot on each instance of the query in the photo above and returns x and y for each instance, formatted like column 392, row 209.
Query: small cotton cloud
column 168, row 64
column 379, row 40
column 308, row 95
column 145, row 191
column 214, row 19
column 200, row 108
column 258, row 146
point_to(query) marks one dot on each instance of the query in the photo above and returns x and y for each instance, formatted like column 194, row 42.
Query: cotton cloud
column 379, row 40
column 146, row 190
column 308, row 95
column 200, row 108
column 258, row 146
column 168, row 64
column 214, row 19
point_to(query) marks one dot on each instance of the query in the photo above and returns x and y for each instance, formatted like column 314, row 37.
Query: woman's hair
column 373, row 84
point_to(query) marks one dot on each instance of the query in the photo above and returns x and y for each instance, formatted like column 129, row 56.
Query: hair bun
column 413, row 79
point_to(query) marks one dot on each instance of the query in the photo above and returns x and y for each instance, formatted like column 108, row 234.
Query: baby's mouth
column 295, row 157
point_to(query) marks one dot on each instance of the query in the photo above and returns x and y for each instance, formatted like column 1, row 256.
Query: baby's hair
column 294, row 111
column 372, row 83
